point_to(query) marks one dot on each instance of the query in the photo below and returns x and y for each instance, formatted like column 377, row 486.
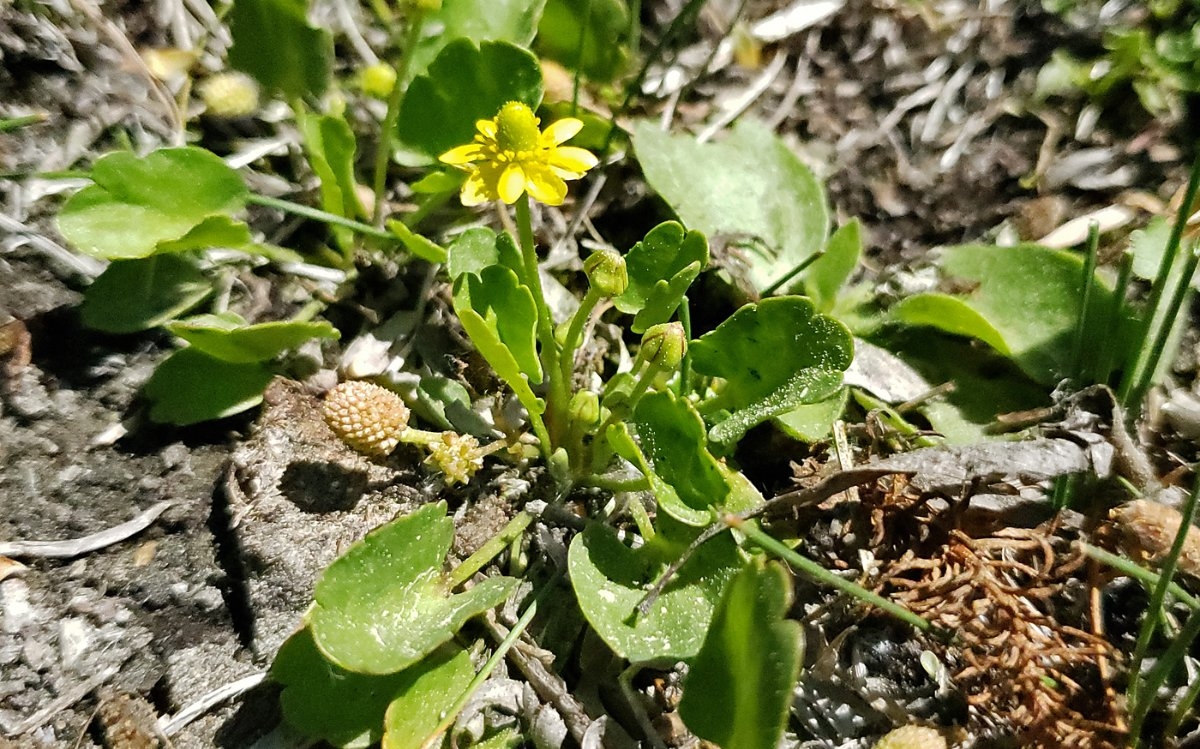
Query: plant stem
column 16, row 123
column 795, row 271
column 575, row 332
column 1149, row 578
column 1116, row 314
column 386, row 132
column 1162, row 669
column 1159, row 594
column 1082, row 321
column 490, row 549
column 685, row 366
column 557, row 404
column 818, row 573
column 317, row 214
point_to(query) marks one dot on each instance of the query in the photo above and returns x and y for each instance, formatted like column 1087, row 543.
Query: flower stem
column 575, row 332
column 384, row 154
column 317, row 214
column 490, row 549
column 556, row 406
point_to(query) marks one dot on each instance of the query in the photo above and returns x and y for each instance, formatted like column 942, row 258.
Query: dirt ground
column 920, row 122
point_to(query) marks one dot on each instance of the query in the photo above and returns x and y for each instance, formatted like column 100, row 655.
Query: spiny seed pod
column 606, row 272
column 229, row 94
column 912, row 737
column 367, row 417
column 1146, row 530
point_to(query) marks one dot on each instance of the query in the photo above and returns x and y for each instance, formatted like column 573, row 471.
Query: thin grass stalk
column 1120, row 304
column 387, row 130
column 1149, row 578
column 1159, row 593
column 1145, row 361
column 1181, row 711
column 1158, row 675
column 1089, row 282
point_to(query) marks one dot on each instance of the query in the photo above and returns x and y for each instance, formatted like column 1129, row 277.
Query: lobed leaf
column 384, row 604
column 499, row 310
column 514, row 21
column 432, row 687
column 661, row 268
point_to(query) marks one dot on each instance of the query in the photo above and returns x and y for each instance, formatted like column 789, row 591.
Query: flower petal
column 562, row 131
column 475, row 191
column 544, row 185
column 460, row 155
column 486, row 128
column 512, row 183
column 571, row 159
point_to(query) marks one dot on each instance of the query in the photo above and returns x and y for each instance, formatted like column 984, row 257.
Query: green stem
column 685, row 366
column 16, row 123
column 1149, row 578
column 387, row 131
column 1116, row 316
column 557, row 401
column 317, row 214
column 649, row 371
column 1081, row 323
column 309, row 311
column 490, row 549
column 1159, row 594
column 795, row 271
column 575, row 332
column 818, row 573
column 615, row 485
column 1165, row 664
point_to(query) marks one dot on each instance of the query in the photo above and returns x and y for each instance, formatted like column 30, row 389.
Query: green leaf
column 773, row 356
column 499, row 314
column 434, row 685
column 825, row 277
column 739, row 686
column 610, row 580
column 513, row 21
column 274, row 43
column 670, row 450
column 228, row 337
column 330, row 145
column 328, row 703
column 586, row 35
column 749, row 185
column 191, row 386
column 385, row 604
column 417, row 244
column 1024, row 301
column 465, row 84
column 813, row 422
column 136, row 204
column 478, row 248
column 661, row 268
column 133, row 295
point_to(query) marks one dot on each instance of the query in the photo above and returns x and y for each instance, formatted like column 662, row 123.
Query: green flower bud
column 606, row 272
column 664, row 345
column 377, row 80
column 585, row 408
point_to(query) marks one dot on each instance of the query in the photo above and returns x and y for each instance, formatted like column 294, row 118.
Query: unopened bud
column 606, row 272
column 664, row 345
column 377, row 80
column 229, row 94
column 585, row 408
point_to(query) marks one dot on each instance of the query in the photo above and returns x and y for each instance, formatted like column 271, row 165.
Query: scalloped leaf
column 464, row 84
column 748, row 185
column 228, row 337
column 136, row 204
column 513, row 21
column 610, row 580
column 190, row 387
column 773, row 356
column 661, row 268
column 384, row 604
column 739, row 686
column 499, row 314
column 133, row 295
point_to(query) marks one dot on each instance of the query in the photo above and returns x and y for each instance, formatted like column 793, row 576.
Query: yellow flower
column 457, row 456
column 510, row 156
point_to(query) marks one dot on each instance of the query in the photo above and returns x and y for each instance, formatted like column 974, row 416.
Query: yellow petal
column 511, row 183
column 562, row 131
column 487, row 128
column 544, row 186
column 570, row 159
column 461, row 155
column 474, row 191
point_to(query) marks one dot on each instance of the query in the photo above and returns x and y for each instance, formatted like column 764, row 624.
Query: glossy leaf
column 325, row 702
column 749, row 185
column 813, row 422
column 586, row 35
column 496, row 309
column 274, row 43
column 384, row 604
column 138, row 203
column 228, row 337
column 610, row 580
column 513, row 21
column 330, row 145
column 661, row 268
column 432, row 687
column 825, row 277
column 773, row 356
column 478, row 248
column 1024, row 301
column 464, row 84
column 191, row 386
column 739, row 686
column 133, row 295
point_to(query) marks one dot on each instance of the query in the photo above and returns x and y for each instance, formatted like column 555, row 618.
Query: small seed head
column 664, row 345
column 912, row 737
column 517, row 127
column 457, row 456
column 230, row 94
column 377, row 80
column 606, row 272
column 367, row 417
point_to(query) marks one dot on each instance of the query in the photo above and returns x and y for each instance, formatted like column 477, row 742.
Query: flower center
column 516, row 128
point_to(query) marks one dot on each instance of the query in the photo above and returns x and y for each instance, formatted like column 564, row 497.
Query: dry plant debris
column 1016, row 662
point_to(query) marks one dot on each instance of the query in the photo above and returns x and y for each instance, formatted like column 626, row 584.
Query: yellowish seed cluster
column 912, row 737
column 457, row 456
column 367, row 417
column 229, row 94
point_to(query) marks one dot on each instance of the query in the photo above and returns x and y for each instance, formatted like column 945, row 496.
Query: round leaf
column 230, row 339
column 431, row 689
column 191, row 386
column 133, row 295
column 273, row 41
column 513, row 21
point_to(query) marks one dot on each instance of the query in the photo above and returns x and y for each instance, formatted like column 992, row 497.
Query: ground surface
column 919, row 121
